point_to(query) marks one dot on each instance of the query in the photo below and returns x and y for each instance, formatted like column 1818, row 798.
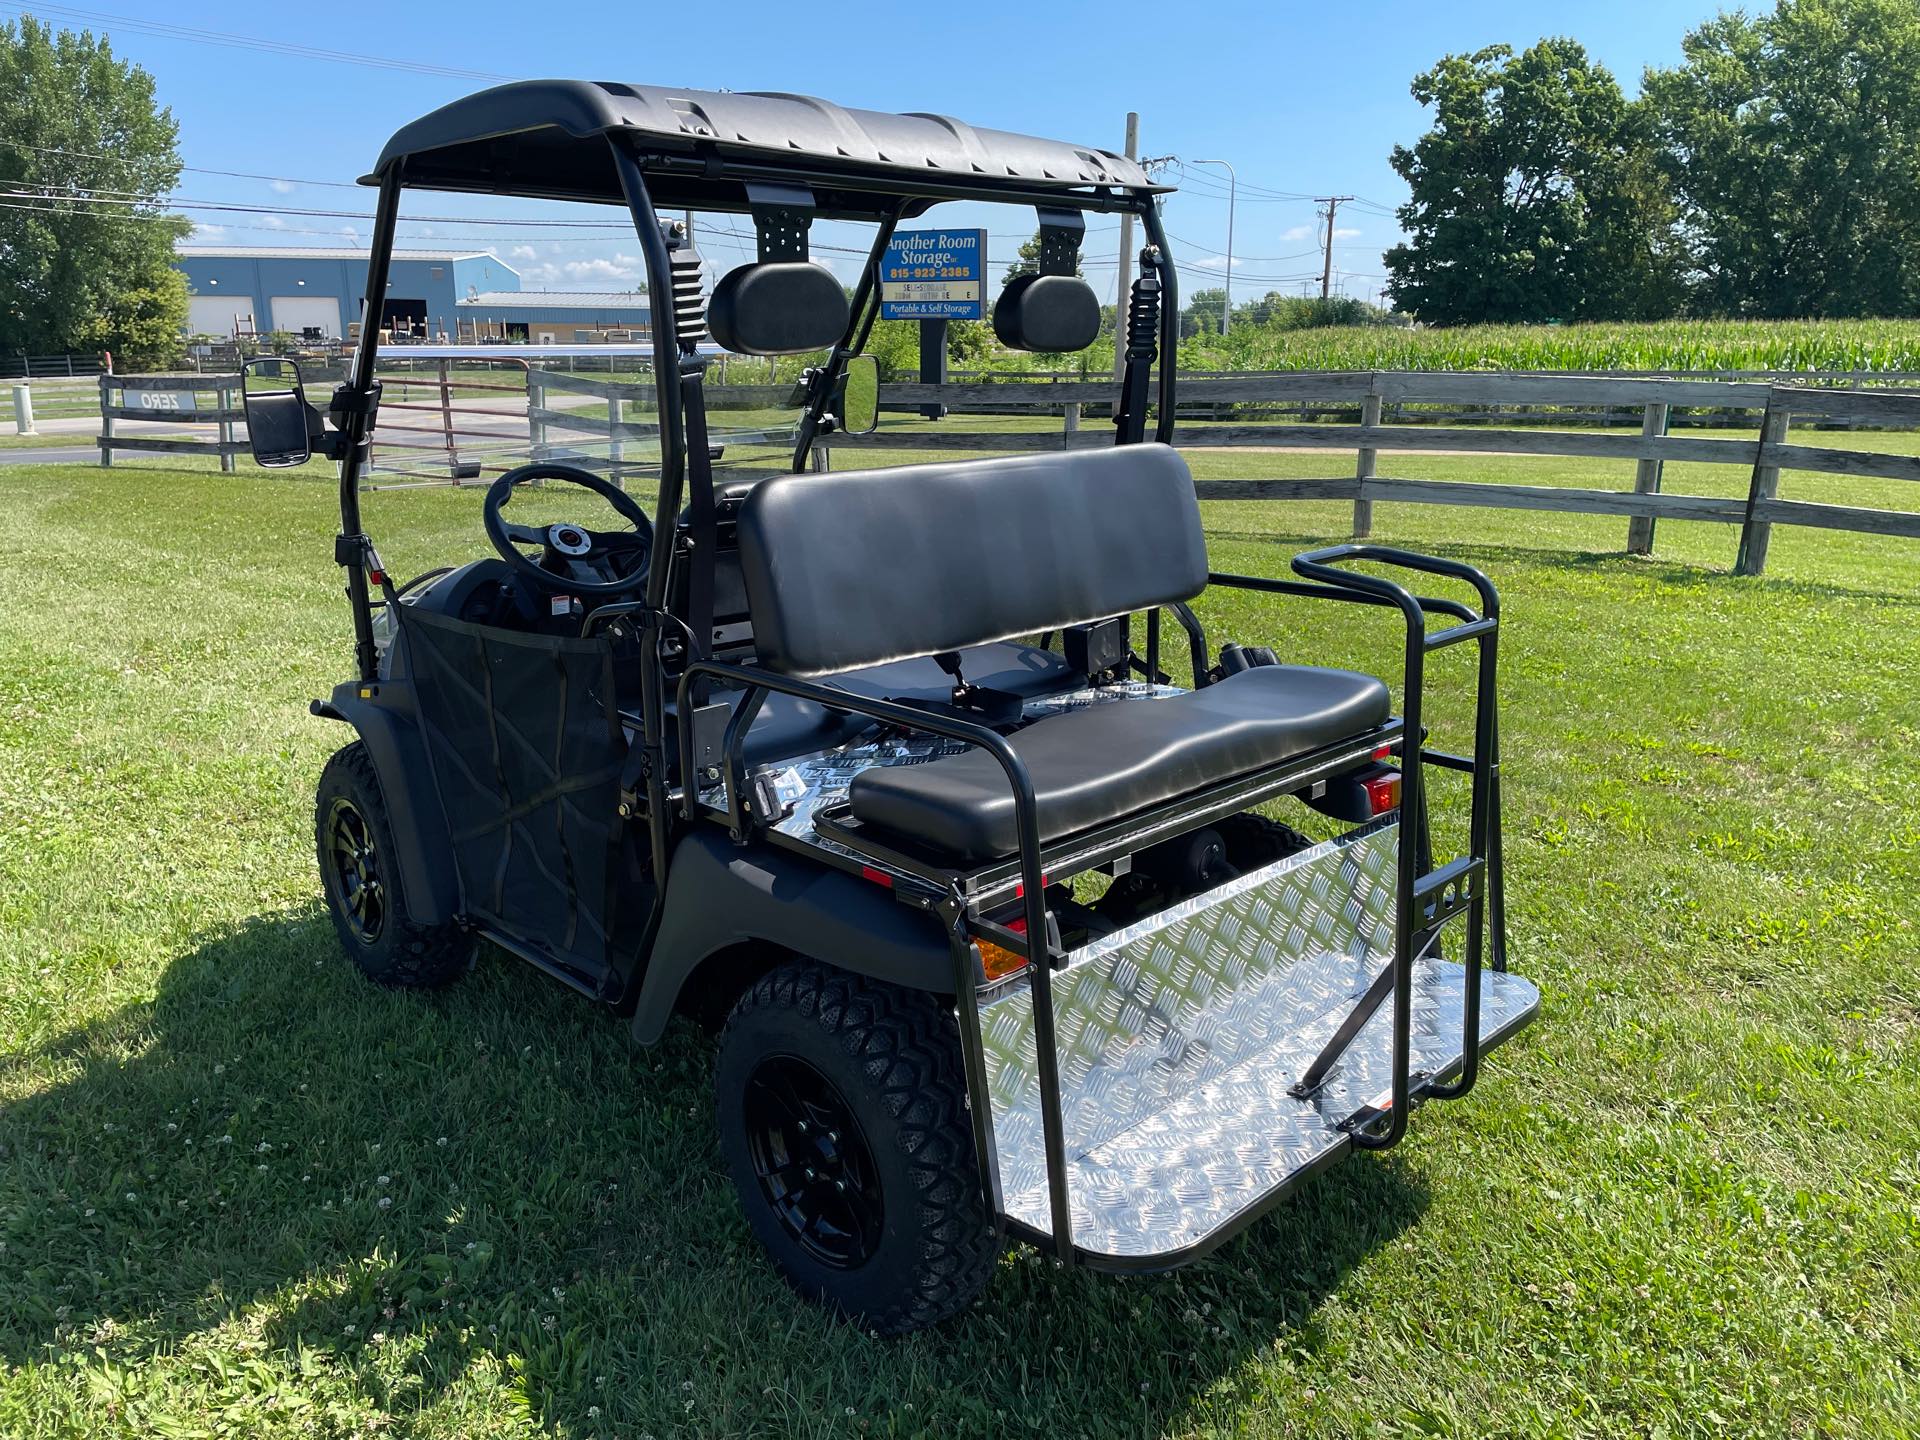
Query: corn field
column 1875, row 345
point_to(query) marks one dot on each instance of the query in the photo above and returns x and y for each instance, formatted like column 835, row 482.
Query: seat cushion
column 786, row 727
column 1097, row 764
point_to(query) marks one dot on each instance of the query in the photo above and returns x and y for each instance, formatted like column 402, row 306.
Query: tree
column 895, row 346
column 1792, row 142
column 80, row 132
column 1029, row 261
column 1536, row 195
column 1203, row 312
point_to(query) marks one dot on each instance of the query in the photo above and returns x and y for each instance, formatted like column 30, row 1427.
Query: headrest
column 1047, row 312
column 782, row 307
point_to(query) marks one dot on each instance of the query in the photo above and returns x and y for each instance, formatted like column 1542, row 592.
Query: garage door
column 296, row 313
column 215, row 314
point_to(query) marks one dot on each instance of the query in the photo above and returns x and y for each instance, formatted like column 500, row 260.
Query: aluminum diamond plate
column 1178, row 1039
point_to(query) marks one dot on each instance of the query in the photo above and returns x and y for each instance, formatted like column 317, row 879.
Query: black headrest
column 1047, row 312
column 777, row 308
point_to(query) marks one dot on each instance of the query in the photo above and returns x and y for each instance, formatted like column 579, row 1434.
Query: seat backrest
column 875, row 565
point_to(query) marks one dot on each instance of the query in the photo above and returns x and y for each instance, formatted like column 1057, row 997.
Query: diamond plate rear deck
column 1178, row 1038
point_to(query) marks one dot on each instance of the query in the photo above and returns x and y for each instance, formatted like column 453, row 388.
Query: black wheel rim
column 814, row 1165
column 355, row 864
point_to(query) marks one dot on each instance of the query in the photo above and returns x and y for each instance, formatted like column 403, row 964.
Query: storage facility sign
column 935, row 275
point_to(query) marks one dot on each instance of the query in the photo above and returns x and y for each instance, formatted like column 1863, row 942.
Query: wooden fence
column 35, row 367
column 1367, row 393
column 176, row 399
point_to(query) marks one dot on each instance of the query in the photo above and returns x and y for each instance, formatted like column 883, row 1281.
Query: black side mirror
column 859, row 405
column 275, row 402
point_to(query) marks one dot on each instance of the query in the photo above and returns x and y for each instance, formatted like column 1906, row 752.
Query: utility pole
column 1123, row 293
column 1333, row 203
column 1233, row 192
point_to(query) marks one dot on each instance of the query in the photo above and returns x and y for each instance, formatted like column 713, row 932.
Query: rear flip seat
column 850, row 572
column 1094, row 765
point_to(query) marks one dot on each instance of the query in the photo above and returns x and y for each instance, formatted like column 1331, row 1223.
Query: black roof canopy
column 548, row 138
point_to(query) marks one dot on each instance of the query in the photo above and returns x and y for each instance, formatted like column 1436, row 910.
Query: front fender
column 382, row 713
column 720, row 895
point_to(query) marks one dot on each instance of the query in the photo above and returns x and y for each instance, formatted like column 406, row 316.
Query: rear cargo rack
column 1182, row 1039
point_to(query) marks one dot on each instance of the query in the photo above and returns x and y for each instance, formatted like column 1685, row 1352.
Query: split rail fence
column 1415, row 396
column 451, row 427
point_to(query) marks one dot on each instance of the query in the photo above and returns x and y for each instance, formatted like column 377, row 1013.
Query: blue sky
column 1301, row 99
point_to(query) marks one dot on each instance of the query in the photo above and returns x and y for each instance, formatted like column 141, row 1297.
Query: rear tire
column 353, row 842
column 843, row 1119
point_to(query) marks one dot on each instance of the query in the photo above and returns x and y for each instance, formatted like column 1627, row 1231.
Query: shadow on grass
column 555, row 1221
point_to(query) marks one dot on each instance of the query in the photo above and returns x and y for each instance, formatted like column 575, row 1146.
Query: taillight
column 1383, row 791
column 996, row 960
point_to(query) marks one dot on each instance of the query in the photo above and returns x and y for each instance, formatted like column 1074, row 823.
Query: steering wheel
column 574, row 560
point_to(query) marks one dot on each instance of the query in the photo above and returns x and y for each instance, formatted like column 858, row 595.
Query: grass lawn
column 243, row 1193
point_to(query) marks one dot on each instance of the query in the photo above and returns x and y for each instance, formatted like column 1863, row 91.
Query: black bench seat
column 849, row 572
column 1097, row 764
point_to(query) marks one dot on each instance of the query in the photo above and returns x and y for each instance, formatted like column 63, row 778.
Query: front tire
column 353, row 841
column 842, row 1110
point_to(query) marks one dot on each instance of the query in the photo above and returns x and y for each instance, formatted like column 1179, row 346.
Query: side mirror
column 860, row 396
column 275, row 402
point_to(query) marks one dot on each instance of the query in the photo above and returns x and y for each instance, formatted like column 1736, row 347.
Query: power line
column 195, row 169
column 310, row 213
column 232, row 41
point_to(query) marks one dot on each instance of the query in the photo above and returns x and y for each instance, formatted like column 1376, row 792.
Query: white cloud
column 350, row 232
column 1211, row 262
column 281, row 187
column 204, row 231
column 1345, row 234
column 542, row 274
column 1298, row 232
column 601, row 270
column 273, row 222
column 523, row 252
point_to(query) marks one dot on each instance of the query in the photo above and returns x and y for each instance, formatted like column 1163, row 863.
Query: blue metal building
column 449, row 295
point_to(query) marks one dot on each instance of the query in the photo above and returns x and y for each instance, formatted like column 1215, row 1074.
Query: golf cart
column 884, row 772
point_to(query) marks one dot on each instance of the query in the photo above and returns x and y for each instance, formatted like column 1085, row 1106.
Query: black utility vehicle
column 880, row 771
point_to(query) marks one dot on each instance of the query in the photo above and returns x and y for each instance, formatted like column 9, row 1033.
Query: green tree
column 1029, row 261
column 895, row 345
column 1203, row 311
column 1536, row 195
column 78, row 127
column 1792, row 142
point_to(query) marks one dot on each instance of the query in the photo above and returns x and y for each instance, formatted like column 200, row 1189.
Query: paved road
column 35, row 456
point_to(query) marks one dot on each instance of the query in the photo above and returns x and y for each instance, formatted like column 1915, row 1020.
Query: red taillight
column 997, row 961
column 877, row 876
column 1383, row 791
column 1385, row 752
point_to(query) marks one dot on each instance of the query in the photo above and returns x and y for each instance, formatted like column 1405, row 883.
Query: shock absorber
column 689, row 311
column 1143, row 336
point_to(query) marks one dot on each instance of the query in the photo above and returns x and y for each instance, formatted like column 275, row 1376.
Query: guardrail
column 1368, row 392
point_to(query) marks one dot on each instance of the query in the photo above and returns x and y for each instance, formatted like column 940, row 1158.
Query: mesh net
column 526, row 748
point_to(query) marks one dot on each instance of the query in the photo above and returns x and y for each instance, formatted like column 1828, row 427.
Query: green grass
column 1683, row 1204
